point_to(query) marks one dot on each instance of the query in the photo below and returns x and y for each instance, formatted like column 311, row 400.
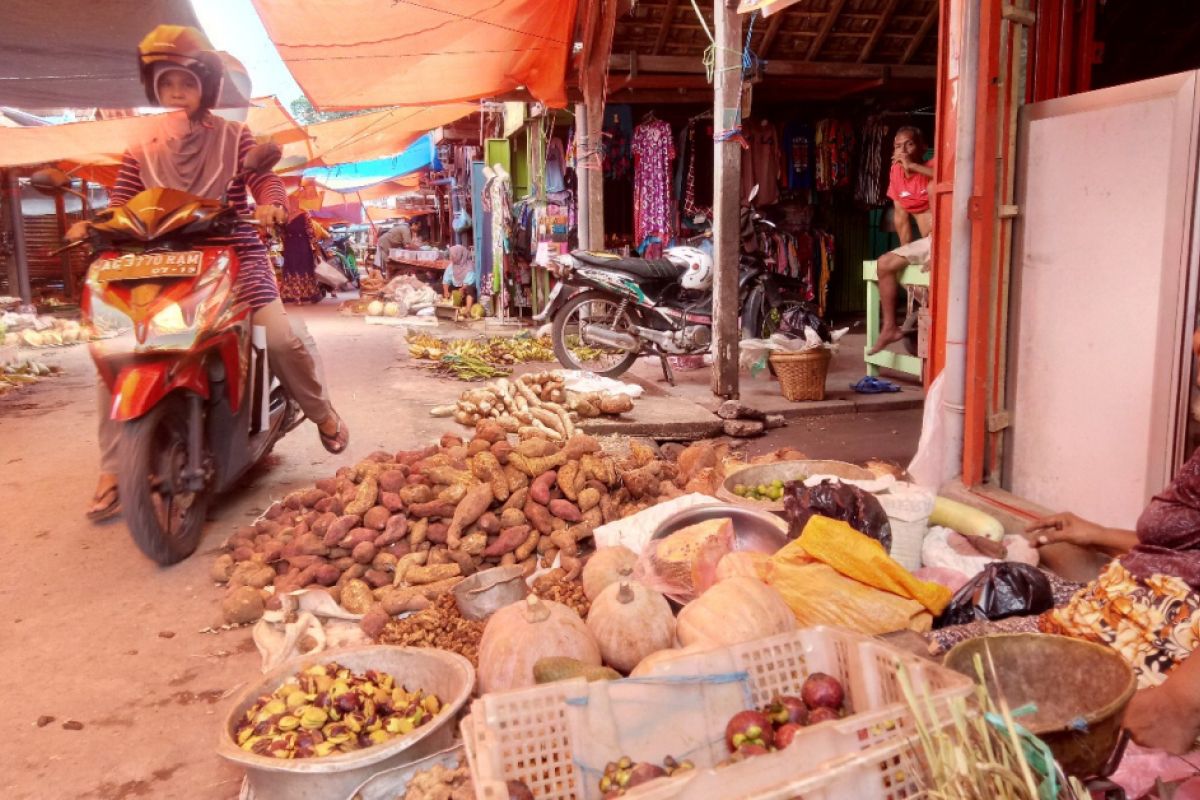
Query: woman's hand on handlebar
column 78, row 231
column 269, row 214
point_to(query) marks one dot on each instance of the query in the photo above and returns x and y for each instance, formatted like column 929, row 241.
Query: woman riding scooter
column 202, row 154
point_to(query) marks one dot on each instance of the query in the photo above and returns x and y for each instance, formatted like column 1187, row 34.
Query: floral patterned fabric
column 1154, row 623
column 299, row 265
column 653, row 210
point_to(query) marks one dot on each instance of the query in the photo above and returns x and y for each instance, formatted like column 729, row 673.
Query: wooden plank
column 831, row 17
column 665, row 28
column 918, row 38
column 688, row 65
column 727, row 189
column 769, row 37
column 881, row 26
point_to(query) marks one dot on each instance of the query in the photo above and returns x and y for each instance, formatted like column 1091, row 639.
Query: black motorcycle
column 607, row 311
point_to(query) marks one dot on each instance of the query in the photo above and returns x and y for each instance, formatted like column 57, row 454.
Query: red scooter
column 188, row 372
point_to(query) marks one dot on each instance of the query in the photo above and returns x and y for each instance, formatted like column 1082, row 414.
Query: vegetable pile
column 395, row 532
column 29, row 330
column 328, row 709
column 21, row 373
column 533, row 404
column 763, row 491
column 440, row 783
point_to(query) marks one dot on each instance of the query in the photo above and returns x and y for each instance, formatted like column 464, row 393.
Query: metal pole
column 18, row 269
column 727, row 177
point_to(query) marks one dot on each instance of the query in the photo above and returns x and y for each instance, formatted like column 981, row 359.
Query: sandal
column 110, row 509
column 338, row 441
column 869, row 385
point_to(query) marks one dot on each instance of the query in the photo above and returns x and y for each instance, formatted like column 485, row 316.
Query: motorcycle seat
column 656, row 269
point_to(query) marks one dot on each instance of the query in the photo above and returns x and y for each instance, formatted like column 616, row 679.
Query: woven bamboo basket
column 802, row 375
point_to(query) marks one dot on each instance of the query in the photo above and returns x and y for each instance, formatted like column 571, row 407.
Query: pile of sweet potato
column 395, row 531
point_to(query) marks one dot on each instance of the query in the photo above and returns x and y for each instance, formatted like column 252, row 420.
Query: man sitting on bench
column 908, row 186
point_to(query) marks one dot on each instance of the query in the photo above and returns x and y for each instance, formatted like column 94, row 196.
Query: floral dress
column 653, row 208
column 299, row 263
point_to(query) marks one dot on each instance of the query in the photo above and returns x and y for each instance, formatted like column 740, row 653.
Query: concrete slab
column 764, row 394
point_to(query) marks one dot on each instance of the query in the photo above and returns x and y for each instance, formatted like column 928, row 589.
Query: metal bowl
column 785, row 471
column 754, row 531
column 488, row 591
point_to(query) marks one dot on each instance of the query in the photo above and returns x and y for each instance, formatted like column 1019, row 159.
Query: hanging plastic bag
column 1003, row 589
column 840, row 501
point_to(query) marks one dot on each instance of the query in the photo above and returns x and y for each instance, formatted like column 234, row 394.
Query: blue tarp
column 346, row 178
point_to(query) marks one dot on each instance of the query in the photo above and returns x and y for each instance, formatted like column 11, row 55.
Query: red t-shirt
column 911, row 192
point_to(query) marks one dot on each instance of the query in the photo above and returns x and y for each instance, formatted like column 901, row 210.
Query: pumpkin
column 741, row 562
column 629, row 622
column 519, row 635
column 607, row 565
column 737, row 609
column 649, row 665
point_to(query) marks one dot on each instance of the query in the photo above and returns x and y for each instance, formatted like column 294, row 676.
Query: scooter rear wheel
column 565, row 334
column 165, row 520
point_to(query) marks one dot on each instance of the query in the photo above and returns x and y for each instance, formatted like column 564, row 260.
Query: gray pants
column 293, row 357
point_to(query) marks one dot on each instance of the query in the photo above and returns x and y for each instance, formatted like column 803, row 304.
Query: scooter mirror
column 50, row 181
column 262, row 157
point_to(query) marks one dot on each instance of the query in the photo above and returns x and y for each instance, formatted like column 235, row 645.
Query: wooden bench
column 902, row 362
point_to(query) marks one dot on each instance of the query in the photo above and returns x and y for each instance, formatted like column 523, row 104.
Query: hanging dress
column 299, row 265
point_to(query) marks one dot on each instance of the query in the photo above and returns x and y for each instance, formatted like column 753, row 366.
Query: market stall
column 547, row 566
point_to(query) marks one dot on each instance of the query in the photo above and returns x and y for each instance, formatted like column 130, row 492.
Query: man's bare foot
column 886, row 336
column 106, row 502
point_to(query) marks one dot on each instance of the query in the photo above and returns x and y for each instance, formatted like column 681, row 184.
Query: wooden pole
column 18, row 271
column 727, row 179
column 594, row 71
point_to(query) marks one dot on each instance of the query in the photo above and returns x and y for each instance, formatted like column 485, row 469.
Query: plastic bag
column 684, row 564
column 839, row 501
column 801, row 316
column 1003, row 589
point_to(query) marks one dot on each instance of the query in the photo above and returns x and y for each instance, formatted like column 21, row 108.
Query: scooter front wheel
column 165, row 519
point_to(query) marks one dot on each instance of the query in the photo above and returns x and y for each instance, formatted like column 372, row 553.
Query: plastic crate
column 529, row 734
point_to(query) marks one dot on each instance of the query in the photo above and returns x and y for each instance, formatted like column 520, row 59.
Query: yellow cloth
column 860, row 557
column 818, row 595
column 319, row 231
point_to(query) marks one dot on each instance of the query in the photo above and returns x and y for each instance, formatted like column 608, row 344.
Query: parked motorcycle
column 188, row 373
column 614, row 310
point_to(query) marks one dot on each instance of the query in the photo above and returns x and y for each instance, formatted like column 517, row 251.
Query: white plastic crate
column 557, row 738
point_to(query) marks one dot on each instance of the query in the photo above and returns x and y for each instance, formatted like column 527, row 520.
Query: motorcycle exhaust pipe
column 602, row 334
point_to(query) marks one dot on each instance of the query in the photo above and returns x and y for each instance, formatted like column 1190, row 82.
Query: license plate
column 140, row 266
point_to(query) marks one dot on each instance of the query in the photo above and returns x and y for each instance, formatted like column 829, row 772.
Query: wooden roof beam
column 769, row 37
column 688, row 65
column 919, row 37
column 881, row 26
column 831, row 17
column 665, row 28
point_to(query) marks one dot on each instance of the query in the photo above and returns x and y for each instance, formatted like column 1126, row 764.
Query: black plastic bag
column 1003, row 589
column 840, row 501
column 801, row 316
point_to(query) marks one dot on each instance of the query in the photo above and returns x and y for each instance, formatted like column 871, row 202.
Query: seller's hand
column 270, row 214
column 1161, row 719
column 1065, row 527
column 78, row 230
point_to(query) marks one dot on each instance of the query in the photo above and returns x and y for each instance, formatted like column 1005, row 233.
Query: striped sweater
column 256, row 280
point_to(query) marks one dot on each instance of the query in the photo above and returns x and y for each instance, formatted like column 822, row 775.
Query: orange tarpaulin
column 380, row 133
column 268, row 118
column 349, row 54
column 98, row 142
